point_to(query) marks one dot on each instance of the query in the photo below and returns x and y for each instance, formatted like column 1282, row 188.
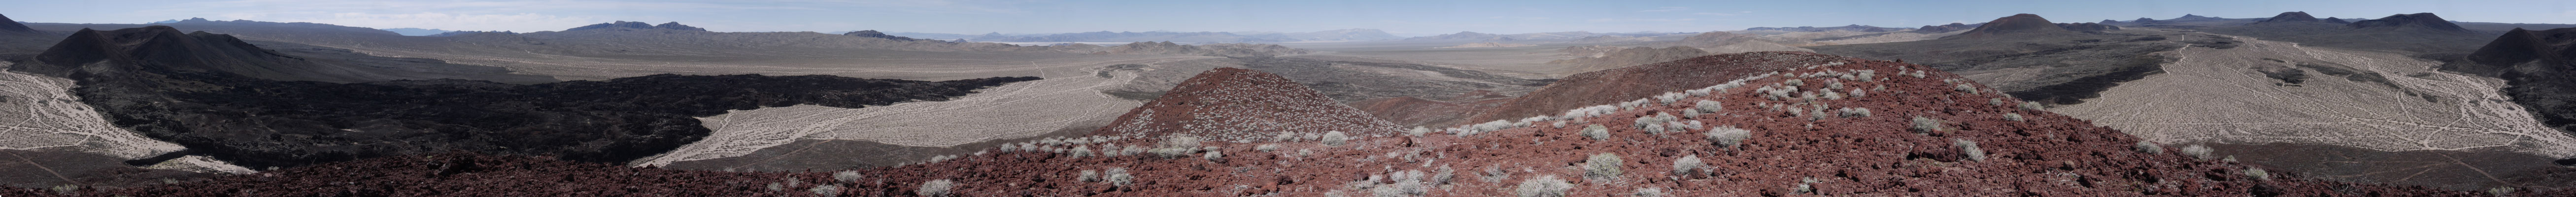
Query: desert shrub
column 1417, row 131
column 2197, row 151
column 1597, row 132
column 776, row 187
column 1855, row 112
column 1080, row 151
column 2149, row 148
column 1867, row 75
column 1089, row 176
column 936, row 188
column 1311, row 136
column 1857, row 93
column 1543, row 186
column 2030, row 105
column 826, row 190
column 1217, row 156
column 1924, row 125
column 2258, row 174
column 2015, row 117
column 1180, row 141
column 1336, row 138
column 1728, row 136
column 1117, row 176
column 1284, row 137
column 1795, row 82
column 1494, row 174
column 1443, row 175
column 1709, row 106
column 1966, row 88
column 1603, row 166
column 1687, row 165
column 1266, row 147
column 1669, row 97
column 846, row 176
column 1649, row 192
column 1969, row 148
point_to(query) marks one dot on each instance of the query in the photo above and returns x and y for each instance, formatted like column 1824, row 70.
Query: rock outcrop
column 1232, row 104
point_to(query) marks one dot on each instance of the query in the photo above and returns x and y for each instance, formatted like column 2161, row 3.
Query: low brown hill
column 875, row 34
column 1228, row 104
column 1432, row 112
column 1629, row 83
column 1752, row 143
column 636, row 25
column 1928, row 29
column 2018, row 25
column 2416, row 21
column 2289, row 17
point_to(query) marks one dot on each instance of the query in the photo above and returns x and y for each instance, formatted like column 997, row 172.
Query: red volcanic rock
column 1788, row 150
column 2015, row 25
column 1229, row 104
column 1635, row 82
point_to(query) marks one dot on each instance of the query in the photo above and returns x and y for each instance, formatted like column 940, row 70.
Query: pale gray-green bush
column 1543, row 186
column 936, row 188
column 1603, row 166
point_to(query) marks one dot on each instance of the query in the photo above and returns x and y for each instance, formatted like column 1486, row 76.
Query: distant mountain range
column 1854, row 27
column 417, row 31
column 1162, row 36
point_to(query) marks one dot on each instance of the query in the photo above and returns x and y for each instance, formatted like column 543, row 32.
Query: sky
column 1401, row 17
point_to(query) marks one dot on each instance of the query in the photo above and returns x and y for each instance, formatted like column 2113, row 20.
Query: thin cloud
column 1665, row 9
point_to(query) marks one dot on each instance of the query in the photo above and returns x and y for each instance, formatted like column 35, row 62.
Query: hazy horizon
column 1408, row 18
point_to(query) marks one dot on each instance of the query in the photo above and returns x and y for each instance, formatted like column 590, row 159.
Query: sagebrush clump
column 937, row 188
column 2197, row 151
column 1969, row 148
column 1604, row 166
column 1728, row 136
column 1924, row 125
column 1596, row 132
column 1336, row 138
column 1543, row 186
column 2149, row 148
column 1687, row 165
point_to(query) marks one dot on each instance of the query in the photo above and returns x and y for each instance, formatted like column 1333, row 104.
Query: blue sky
column 1403, row 17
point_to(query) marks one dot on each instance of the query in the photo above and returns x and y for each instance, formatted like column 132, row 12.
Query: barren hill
column 2537, row 65
column 1622, row 84
column 2291, row 17
column 12, row 26
column 1231, row 104
column 1927, row 133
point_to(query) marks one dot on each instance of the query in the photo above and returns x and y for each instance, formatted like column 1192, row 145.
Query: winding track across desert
column 38, row 112
column 2216, row 95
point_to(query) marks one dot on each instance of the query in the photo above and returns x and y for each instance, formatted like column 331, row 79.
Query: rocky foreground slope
column 1826, row 126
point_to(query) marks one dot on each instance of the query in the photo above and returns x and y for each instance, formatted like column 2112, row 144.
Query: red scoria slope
column 1788, row 151
column 1229, row 104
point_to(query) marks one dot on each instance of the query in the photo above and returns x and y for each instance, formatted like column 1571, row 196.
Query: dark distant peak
column 2018, row 24
column 1852, row 27
column 1928, row 29
column 463, row 33
column 2416, row 21
column 194, row 19
column 2335, row 20
column 2291, row 17
column 875, row 34
column 160, row 46
column 636, row 25
column 2108, row 21
column 2518, row 46
column 2143, row 20
column 678, row 26
column 12, row 26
